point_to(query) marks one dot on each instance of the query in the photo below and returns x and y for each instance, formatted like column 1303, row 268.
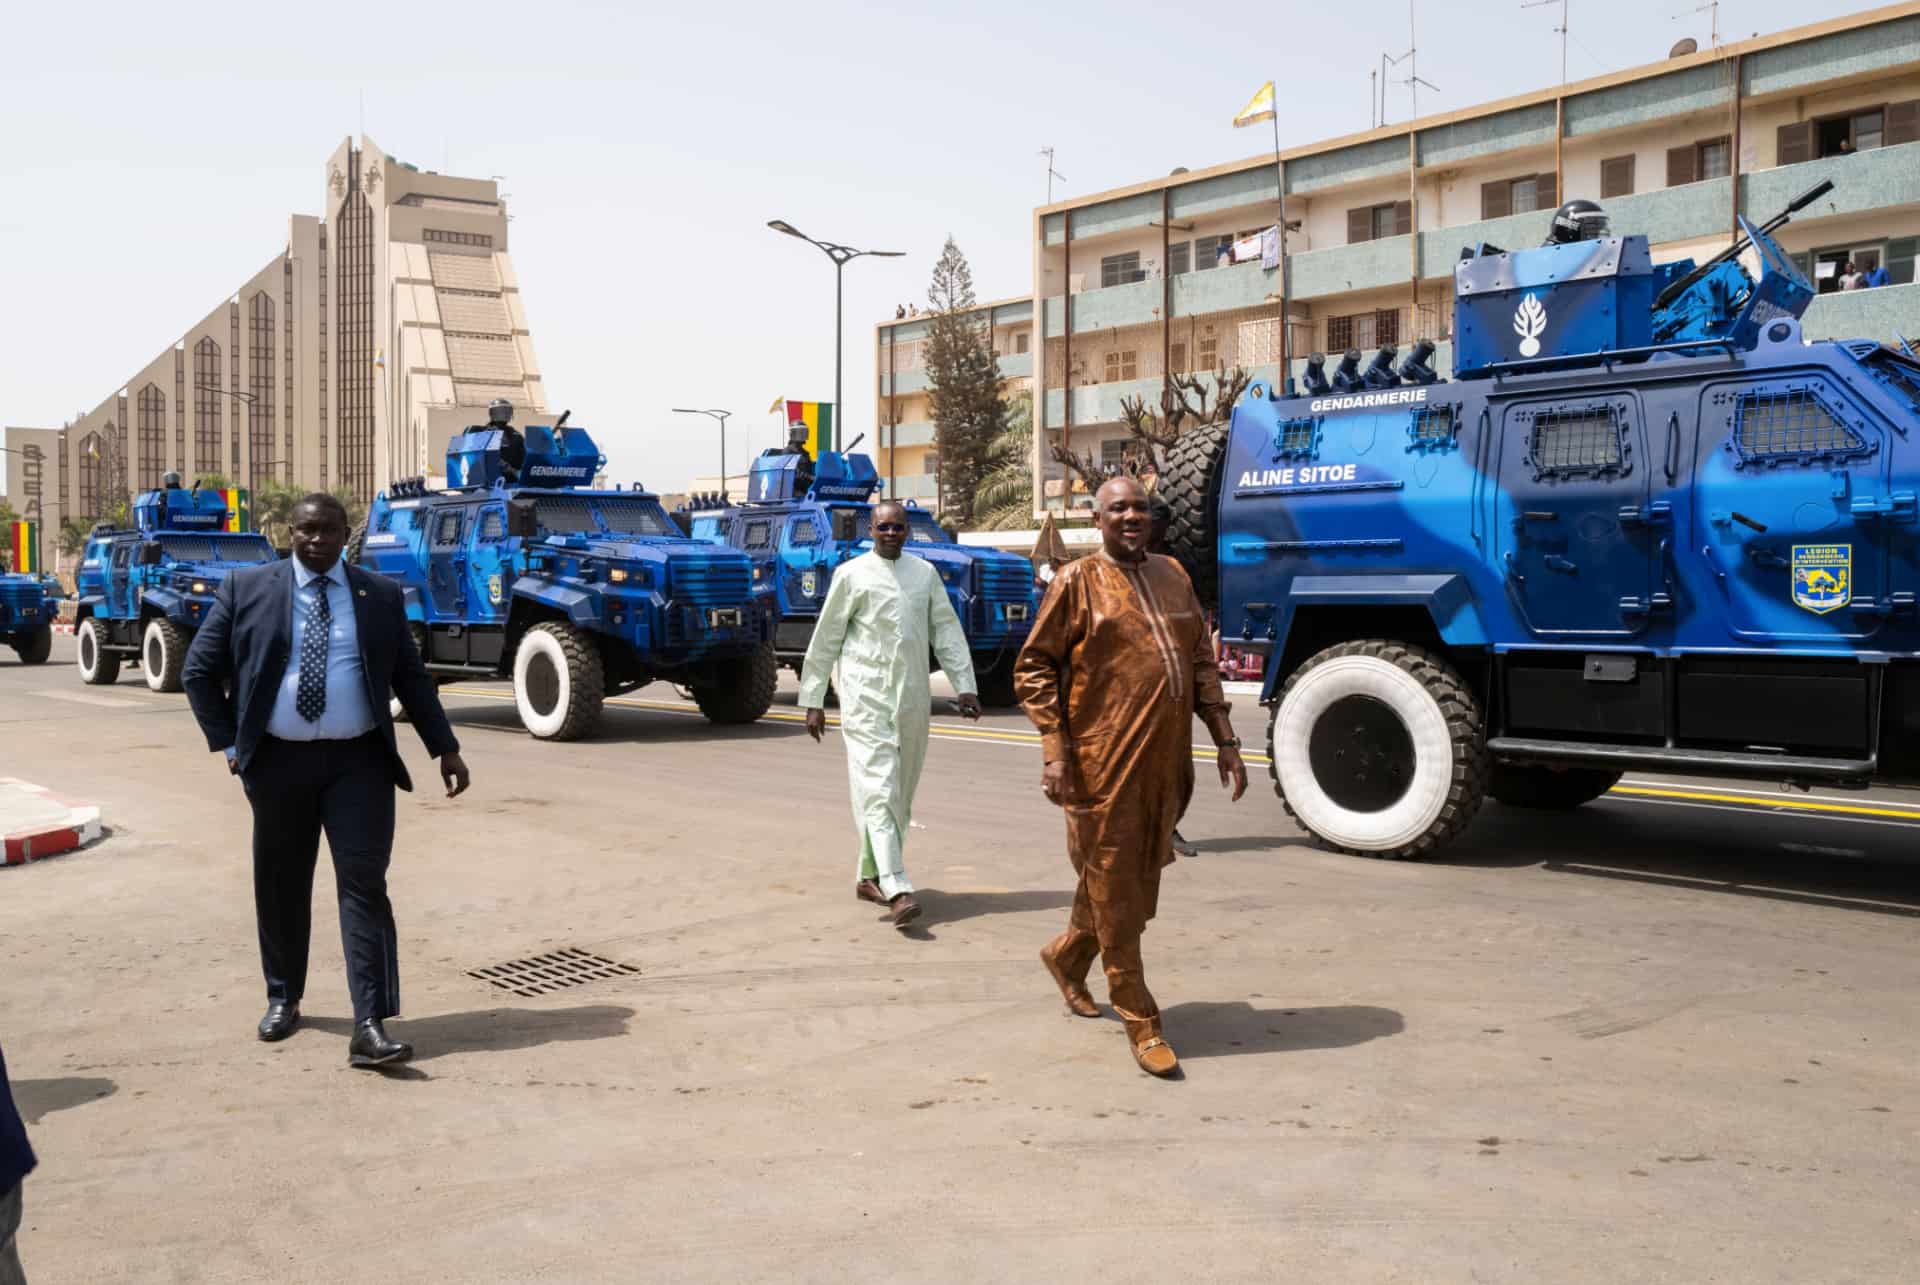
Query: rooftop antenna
column 1413, row 80
column 1712, row 9
column 1373, row 95
column 1562, row 29
column 1052, row 173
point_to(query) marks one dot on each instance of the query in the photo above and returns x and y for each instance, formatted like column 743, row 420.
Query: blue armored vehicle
column 520, row 570
column 1646, row 526
column 29, row 605
column 802, row 520
column 141, row 592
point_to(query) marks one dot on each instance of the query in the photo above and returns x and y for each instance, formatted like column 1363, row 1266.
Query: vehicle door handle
column 1658, row 511
column 1673, row 446
column 1764, row 557
column 1557, row 563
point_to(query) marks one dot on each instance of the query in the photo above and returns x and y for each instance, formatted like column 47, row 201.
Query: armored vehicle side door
column 447, row 562
column 120, row 577
column 489, row 576
column 803, row 566
column 756, row 534
column 1573, row 530
column 1792, row 512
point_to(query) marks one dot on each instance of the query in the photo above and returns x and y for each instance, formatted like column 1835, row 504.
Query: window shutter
column 1899, row 260
column 1793, row 144
column 1902, row 123
column 1549, row 191
column 1616, row 177
column 1496, row 199
column 1402, row 218
column 1359, row 225
column 1680, row 165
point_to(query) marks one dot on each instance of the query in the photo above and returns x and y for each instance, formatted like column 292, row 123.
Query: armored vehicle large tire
column 559, row 682
column 1546, row 788
column 1191, row 484
column 1378, row 749
column 35, row 647
column 163, row 651
column 98, row 666
column 741, row 690
column 995, row 676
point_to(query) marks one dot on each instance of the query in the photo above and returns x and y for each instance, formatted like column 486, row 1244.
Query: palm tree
column 1004, row 500
column 273, row 507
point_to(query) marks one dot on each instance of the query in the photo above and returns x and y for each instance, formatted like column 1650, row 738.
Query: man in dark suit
column 16, row 1162
column 289, row 677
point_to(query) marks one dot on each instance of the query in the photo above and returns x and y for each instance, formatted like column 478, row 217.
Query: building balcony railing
column 1883, row 314
column 915, row 434
column 1871, row 180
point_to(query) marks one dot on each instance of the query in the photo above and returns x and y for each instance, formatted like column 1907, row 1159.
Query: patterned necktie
column 310, row 697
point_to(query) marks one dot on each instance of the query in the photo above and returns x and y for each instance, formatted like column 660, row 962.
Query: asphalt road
column 1669, row 1037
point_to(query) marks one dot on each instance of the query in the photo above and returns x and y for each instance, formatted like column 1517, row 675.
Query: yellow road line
column 1010, row 736
column 1762, row 804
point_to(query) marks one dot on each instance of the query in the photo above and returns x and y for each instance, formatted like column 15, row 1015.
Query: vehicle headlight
column 199, row 586
column 618, row 575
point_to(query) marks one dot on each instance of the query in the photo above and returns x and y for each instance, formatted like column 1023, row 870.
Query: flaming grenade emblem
column 1529, row 322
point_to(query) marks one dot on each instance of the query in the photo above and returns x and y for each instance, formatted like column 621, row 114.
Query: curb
column 36, row 823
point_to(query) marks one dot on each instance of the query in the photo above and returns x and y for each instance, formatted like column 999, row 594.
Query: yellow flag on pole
column 1258, row 108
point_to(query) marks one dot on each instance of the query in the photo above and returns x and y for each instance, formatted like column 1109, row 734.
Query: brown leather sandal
column 1156, row 1057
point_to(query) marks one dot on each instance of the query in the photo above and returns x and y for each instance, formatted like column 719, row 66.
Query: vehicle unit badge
column 494, row 592
column 1822, row 576
column 809, row 584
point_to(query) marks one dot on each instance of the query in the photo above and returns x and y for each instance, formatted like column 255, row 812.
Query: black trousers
column 298, row 789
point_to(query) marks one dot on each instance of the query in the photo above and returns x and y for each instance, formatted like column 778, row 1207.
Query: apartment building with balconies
column 1134, row 283
column 902, row 440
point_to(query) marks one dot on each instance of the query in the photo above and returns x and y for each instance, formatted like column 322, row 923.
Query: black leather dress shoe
column 371, row 1047
column 282, row 1016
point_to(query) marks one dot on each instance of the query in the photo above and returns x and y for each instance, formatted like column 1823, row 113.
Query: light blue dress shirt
column 347, row 714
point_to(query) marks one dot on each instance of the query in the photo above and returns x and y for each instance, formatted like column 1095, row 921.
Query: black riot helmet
column 1577, row 221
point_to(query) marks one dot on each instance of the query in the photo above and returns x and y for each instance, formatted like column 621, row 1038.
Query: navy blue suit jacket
column 233, row 670
column 16, row 1157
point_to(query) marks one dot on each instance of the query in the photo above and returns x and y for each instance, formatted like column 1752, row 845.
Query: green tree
column 73, row 537
column 963, row 383
column 7, row 515
column 1004, row 501
column 272, row 507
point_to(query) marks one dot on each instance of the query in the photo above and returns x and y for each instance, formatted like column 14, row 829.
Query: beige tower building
column 378, row 330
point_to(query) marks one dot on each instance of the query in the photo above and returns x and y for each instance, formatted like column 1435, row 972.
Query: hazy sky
column 153, row 154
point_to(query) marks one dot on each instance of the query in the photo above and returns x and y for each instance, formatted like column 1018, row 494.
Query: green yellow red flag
column 818, row 417
column 1258, row 108
column 23, row 543
column 239, row 508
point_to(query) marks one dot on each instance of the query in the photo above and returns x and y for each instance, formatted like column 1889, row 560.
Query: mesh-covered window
column 757, row 534
column 848, row 524
column 493, row 525
column 1296, row 438
column 1584, row 439
column 565, row 516
column 636, row 517
column 1433, row 426
column 446, row 528
column 1791, row 424
column 922, row 527
column 210, row 548
column 803, row 534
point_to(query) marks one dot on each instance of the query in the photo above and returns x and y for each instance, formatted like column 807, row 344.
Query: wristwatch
column 1231, row 743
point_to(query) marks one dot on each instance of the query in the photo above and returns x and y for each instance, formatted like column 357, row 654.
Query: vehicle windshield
column 635, row 516
column 565, row 515
column 217, row 548
column 925, row 529
column 1903, row 375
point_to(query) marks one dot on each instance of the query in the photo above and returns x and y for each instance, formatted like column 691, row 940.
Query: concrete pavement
column 1667, row 1038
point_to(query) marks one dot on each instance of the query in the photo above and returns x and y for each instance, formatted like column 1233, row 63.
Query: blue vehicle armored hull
column 801, row 524
column 521, row 571
column 142, row 592
column 1695, row 550
column 29, row 604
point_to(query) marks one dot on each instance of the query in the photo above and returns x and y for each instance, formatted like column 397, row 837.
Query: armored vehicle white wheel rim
column 1377, row 749
column 558, row 682
column 97, row 664
column 163, row 651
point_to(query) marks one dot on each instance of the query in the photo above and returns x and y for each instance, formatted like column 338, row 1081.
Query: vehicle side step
column 1737, row 763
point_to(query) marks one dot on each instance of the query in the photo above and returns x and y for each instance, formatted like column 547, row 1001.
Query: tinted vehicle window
column 849, row 524
column 921, row 526
column 446, row 527
column 493, row 524
column 565, row 515
column 208, row 548
column 757, row 534
column 804, row 533
column 636, row 517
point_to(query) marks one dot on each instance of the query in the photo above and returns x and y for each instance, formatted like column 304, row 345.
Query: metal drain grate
column 552, row 972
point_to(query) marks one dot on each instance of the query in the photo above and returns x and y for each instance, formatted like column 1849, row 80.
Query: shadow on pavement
column 951, row 907
column 37, row 1098
column 1241, row 843
column 495, row 1030
column 1774, row 856
column 1226, row 1029
column 654, row 727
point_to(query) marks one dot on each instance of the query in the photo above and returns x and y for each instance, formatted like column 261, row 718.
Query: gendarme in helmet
column 1577, row 221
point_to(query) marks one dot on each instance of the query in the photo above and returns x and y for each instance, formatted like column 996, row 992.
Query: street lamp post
column 839, row 254
column 245, row 399
column 721, row 416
